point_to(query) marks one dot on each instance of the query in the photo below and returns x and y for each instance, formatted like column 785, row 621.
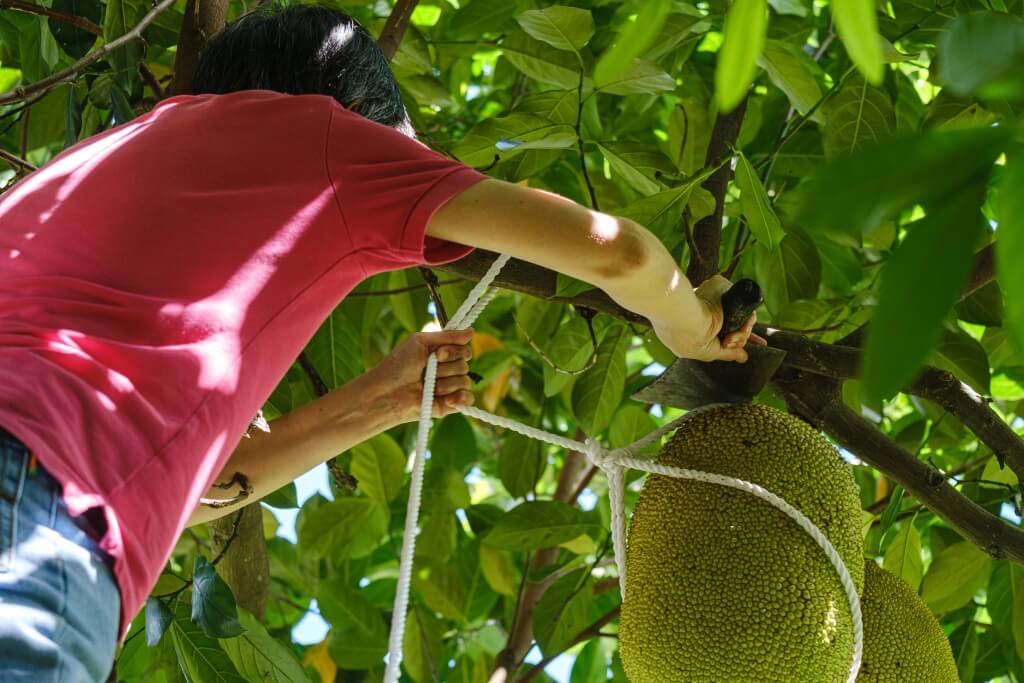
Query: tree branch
column 75, row 70
column 73, row 20
column 820, row 402
column 341, row 478
column 16, row 161
column 707, row 234
column 394, row 30
column 592, row 631
column 203, row 18
column 245, row 568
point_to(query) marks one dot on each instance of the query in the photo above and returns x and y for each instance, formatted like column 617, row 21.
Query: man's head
column 300, row 50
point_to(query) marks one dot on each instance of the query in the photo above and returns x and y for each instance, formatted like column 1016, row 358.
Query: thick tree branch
column 396, row 26
column 707, row 233
column 203, row 18
column 64, row 17
column 239, row 542
column 820, row 402
column 75, row 70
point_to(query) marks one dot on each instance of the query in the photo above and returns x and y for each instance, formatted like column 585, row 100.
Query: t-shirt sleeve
column 387, row 187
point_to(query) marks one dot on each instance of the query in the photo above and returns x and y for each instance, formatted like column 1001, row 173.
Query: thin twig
column 245, row 491
column 16, row 161
column 75, row 70
column 341, row 478
column 589, row 632
column 431, row 282
column 403, row 290
column 26, row 119
column 150, row 78
column 547, row 359
column 579, row 143
column 73, row 20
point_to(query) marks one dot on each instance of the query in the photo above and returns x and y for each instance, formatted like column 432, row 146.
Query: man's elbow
column 630, row 250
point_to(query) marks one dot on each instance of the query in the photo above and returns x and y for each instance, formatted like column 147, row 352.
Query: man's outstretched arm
column 615, row 254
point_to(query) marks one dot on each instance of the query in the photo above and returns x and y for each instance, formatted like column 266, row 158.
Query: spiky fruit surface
column 721, row 586
column 903, row 642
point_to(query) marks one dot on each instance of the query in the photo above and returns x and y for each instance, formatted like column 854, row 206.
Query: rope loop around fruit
column 613, row 462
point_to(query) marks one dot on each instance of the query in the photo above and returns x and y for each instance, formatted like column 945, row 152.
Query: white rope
column 611, row 462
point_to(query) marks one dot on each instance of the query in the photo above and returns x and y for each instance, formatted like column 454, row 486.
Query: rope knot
column 600, row 456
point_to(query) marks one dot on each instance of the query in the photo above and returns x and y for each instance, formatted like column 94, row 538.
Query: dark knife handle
column 738, row 304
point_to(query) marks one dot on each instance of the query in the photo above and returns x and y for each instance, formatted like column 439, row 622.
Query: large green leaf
column 213, row 604
column 641, row 77
column 790, row 273
column 757, row 207
column 955, row 575
column 423, row 658
column 539, row 524
column 638, row 165
column 917, row 169
column 1006, row 602
column 334, row 525
column 982, row 54
column 590, row 665
column 1010, row 244
column 359, row 637
column 570, row 349
column 506, row 136
column 72, row 39
column 541, row 61
column 199, row 655
column 564, row 28
column 378, row 464
column 158, row 618
column 857, row 25
column 562, row 611
column 441, row 588
column 903, row 556
column 794, row 73
column 597, row 394
column 261, row 658
column 634, row 37
column 964, row 356
column 859, row 115
column 745, row 26
column 919, row 285
column 520, row 463
column 122, row 16
column 334, row 350
column 498, row 570
column 479, row 18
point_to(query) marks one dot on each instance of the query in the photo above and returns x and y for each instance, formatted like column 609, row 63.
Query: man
column 159, row 279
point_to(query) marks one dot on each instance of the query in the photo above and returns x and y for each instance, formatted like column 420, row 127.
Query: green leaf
column 790, row 273
column 72, row 119
column 859, row 115
column 964, row 356
column 746, row 24
column 520, row 463
column 794, row 73
column 335, row 350
column 903, row 556
column 121, row 17
column 1005, row 600
column 158, row 618
column 213, row 604
column 1010, row 244
column 956, row 574
column 378, row 464
column 629, row 424
column 641, row 77
column 359, row 637
column 597, row 394
column 73, row 40
column 564, row 28
column 965, row 647
column 562, row 611
column 917, row 169
column 982, row 53
column 479, row 18
column 285, row 497
column 444, row 488
column 402, row 302
column 200, row 655
column 633, row 39
column 857, row 26
column 334, row 525
column 570, row 349
column 441, row 588
column 539, row 524
column 590, row 665
column 261, row 658
column 761, row 218
column 510, row 135
column 423, row 656
column 498, row 570
column 122, row 108
column 540, row 61
column 452, row 444
column 919, row 284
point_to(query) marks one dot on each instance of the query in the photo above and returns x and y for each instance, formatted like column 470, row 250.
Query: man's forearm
column 301, row 440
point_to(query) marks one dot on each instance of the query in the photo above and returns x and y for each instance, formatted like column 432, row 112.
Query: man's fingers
column 736, row 354
column 436, row 339
column 758, row 339
column 456, row 367
column 450, row 352
column 449, row 385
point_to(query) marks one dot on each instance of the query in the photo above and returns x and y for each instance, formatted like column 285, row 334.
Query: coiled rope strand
column 612, row 462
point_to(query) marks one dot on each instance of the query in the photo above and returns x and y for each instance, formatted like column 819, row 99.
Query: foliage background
column 855, row 198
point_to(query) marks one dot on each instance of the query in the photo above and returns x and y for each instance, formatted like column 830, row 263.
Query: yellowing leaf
column 318, row 658
column 581, row 545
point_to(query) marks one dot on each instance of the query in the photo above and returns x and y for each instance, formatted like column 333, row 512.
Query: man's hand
column 398, row 379
column 699, row 339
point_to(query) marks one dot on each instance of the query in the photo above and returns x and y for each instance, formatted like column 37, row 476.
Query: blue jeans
column 59, row 604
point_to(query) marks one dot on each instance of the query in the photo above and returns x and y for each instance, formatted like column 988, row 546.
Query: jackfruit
column 903, row 643
column 723, row 587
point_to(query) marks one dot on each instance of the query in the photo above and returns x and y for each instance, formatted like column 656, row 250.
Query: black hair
column 301, row 50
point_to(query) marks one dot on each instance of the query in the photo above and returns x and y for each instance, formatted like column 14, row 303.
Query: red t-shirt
column 158, row 280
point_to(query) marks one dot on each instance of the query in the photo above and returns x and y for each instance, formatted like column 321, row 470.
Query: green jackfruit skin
column 722, row 587
column 903, row 643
